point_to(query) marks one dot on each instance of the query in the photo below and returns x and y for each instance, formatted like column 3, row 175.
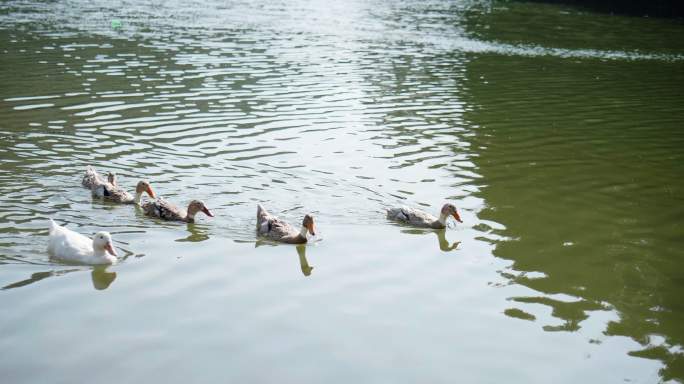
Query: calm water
column 556, row 131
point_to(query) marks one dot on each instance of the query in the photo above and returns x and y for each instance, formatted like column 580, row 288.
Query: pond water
column 555, row 130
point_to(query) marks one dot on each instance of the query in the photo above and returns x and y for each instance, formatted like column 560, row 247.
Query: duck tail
column 111, row 178
column 53, row 226
column 90, row 177
column 262, row 215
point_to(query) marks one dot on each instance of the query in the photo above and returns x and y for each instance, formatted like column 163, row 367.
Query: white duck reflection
column 100, row 276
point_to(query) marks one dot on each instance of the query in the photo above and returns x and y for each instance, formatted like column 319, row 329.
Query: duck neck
column 99, row 252
column 137, row 198
column 191, row 215
column 303, row 231
column 442, row 218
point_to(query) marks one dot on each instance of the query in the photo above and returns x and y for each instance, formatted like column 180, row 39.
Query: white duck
column 418, row 218
column 68, row 245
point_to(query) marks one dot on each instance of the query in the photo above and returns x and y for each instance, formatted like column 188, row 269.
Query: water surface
column 556, row 131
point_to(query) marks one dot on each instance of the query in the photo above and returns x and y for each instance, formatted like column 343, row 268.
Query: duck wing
column 263, row 217
column 103, row 188
column 280, row 230
column 411, row 216
column 164, row 210
column 67, row 244
column 272, row 227
column 113, row 193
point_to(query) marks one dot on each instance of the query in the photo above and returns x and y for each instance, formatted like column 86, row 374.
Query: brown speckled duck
column 273, row 228
column 418, row 218
column 164, row 210
column 108, row 189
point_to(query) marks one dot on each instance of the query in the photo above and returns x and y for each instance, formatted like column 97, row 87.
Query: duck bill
column 457, row 217
column 110, row 248
column 150, row 192
column 207, row 212
column 312, row 230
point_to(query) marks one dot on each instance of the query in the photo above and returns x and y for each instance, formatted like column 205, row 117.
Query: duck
column 110, row 190
column 91, row 178
column 273, row 228
column 68, row 245
column 165, row 210
column 417, row 218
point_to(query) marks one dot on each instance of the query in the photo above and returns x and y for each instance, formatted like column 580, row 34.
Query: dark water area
column 555, row 129
column 638, row 8
column 612, row 242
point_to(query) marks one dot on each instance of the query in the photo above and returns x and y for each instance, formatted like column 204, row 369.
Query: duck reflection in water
column 301, row 253
column 101, row 277
column 444, row 245
column 198, row 232
column 303, row 263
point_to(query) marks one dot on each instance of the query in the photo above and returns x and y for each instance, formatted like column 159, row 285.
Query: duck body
column 414, row 217
column 114, row 193
column 163, row 209
column 68, row 245
column 417, row 218
column 273, row 228
column 109, row 189
column 92, row 179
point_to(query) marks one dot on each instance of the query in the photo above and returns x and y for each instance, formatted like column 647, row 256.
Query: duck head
column 198, row 206
column 144, row 186
column 308, row 223
column 450, row 210
column 103, row 242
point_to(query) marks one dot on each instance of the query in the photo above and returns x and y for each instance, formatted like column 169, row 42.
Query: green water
column 555, row 130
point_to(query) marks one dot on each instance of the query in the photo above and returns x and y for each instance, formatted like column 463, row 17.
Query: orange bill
column 150, row 192
column 110, row 248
